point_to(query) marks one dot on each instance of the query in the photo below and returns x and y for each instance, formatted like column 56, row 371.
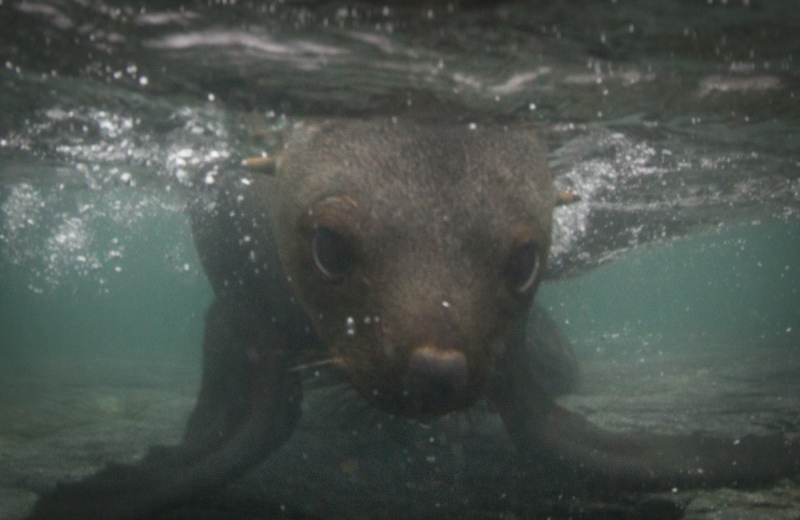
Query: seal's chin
column 435, row 383
column 430, row 406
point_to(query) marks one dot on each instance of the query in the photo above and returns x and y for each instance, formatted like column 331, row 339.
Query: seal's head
column 414, row 249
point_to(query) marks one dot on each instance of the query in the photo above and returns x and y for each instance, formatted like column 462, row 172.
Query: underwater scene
column 377, row 260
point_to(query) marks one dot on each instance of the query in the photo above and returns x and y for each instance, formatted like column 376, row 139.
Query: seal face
column 413, row 248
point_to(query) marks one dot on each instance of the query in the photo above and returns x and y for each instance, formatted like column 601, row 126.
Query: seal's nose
column 437, row 379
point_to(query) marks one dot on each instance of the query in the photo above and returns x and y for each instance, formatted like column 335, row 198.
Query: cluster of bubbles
column 631, row 192
column 615, row 157
column 96, row 175
column 54, row 237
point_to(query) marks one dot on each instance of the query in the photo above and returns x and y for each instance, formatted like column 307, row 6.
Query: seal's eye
column 332, row 253
column 523, row 267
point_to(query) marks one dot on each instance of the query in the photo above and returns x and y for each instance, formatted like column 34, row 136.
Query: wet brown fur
column 431, row 236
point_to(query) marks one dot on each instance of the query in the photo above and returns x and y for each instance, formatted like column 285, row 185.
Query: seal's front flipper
column 164, row 479
column 585, row 456
column 238, row 421
column 613, row 462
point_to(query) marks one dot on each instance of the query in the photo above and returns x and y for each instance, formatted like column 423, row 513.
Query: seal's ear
column 262, row 165
column 565, row 197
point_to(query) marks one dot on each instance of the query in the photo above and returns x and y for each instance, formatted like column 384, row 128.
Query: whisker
column 316, row 364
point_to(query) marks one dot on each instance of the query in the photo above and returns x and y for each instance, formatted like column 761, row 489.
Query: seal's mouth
column 434, row 382
column 437, row 381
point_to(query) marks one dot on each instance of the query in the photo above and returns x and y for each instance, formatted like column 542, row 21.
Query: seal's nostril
column 437, row 379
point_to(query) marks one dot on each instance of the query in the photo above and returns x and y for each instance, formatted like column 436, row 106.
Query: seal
column 407, row 253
